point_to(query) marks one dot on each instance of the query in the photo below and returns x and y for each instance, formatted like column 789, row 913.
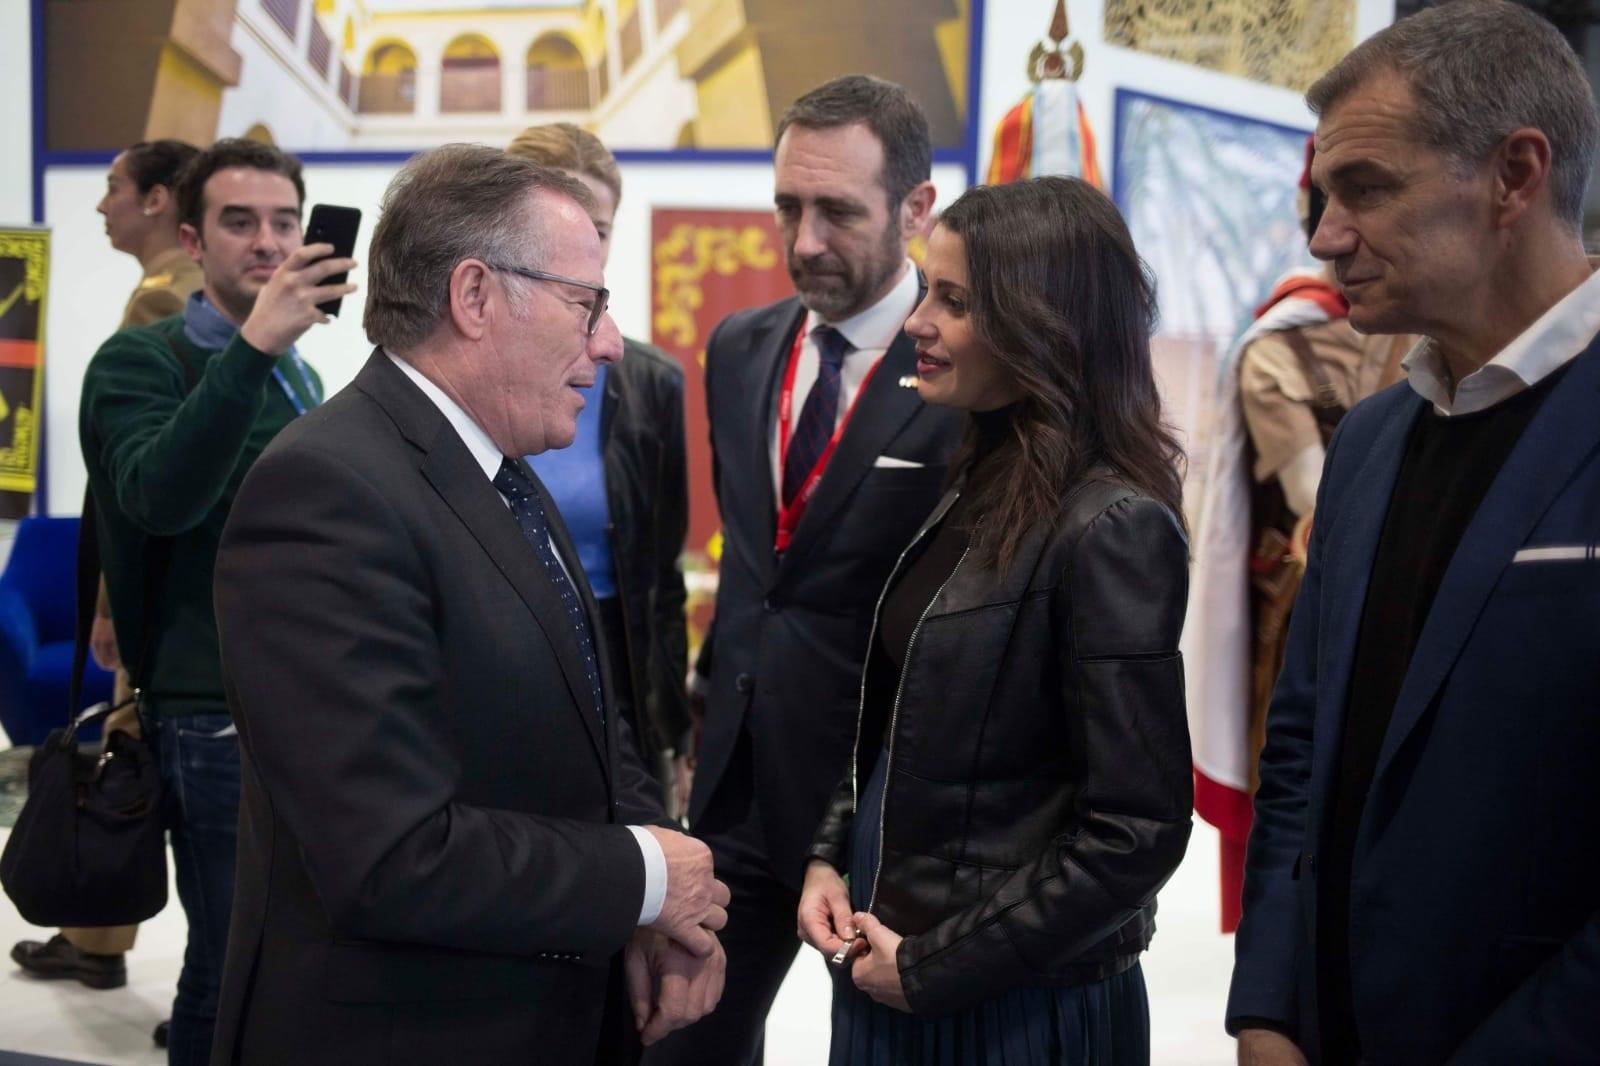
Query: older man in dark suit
column 446, row 846
column 1422, row 878
column 825, row 464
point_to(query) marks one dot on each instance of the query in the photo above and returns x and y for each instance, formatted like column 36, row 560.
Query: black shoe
column 160, row 1035
column 58, row 958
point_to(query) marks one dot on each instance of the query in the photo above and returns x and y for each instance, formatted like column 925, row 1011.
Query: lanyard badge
column 298, row 404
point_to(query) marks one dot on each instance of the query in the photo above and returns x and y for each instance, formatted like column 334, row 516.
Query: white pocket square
column 1555, row 553
column 890, row 462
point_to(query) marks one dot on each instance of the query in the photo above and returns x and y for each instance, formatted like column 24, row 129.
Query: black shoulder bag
column 89, row 846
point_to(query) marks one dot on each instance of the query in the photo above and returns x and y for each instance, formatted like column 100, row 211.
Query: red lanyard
column 789, row 517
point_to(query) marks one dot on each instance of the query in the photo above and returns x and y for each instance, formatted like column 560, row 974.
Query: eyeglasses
column 601, row 300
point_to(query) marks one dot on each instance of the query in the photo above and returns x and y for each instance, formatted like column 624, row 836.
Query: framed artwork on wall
column 1287, row 43
column 706, row 263
column 1210, row 200
column 670, row 77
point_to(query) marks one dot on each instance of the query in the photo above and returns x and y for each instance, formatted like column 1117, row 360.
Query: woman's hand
column 824, row 920
column 876, row 973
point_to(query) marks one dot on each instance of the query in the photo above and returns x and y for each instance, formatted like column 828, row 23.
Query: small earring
column 148, row 212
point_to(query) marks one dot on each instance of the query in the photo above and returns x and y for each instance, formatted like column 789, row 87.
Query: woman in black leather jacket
column 1020, row 787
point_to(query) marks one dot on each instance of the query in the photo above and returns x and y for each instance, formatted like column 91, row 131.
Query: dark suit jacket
column 430, row 865
column 1474, row 933
column 791, row 634
column 647, row 494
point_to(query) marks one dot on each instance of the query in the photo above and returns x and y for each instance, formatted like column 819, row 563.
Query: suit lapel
column 448, row 466
column 881, row 412
column 1561, row 437
column 450, row 469
column 1353, row 542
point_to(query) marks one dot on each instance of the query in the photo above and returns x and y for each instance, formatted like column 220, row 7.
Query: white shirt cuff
column 655, row 874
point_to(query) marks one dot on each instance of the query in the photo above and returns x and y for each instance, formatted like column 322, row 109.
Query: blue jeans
column 199, row 756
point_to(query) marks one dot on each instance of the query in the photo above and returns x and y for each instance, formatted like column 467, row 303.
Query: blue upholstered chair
column 37, row 612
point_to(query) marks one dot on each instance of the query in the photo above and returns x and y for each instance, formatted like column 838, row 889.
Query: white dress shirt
column 1558, row 336
column 870, row 334
column 488, row 457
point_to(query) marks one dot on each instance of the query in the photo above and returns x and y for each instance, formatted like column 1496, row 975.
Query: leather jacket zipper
column 872, row 637
column 894, row 715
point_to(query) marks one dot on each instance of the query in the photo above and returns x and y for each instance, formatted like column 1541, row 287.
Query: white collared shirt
column 870, row 333
column 1558, row 336
column 489, row 458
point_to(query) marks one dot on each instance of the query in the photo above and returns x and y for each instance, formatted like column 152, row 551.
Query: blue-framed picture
column 367, row 81
column 1211, row 201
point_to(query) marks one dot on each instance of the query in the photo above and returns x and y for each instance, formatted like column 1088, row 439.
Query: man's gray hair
column 1480, row 69
column 457, row 202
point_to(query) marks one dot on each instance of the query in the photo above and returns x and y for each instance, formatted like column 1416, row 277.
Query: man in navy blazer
column 1423, row 881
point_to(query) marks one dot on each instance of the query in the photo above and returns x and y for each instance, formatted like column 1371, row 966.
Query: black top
column 1449, row 464
column 911, row 594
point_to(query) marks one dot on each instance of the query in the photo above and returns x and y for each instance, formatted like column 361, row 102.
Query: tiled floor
column 1187, row 971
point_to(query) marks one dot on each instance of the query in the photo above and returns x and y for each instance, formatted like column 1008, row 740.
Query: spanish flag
column 1047, row 133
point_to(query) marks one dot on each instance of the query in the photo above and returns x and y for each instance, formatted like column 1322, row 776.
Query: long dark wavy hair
column 1059, row 294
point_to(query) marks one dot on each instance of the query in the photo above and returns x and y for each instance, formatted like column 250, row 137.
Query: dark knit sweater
column 163, row 461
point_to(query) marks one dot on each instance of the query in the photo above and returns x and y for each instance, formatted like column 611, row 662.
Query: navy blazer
column 1474, row 929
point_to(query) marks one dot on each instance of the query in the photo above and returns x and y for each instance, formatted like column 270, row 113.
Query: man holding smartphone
column 172, row 416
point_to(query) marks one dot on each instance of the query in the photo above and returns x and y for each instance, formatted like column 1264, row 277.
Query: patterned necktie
column 814, row 428
column 528, row 506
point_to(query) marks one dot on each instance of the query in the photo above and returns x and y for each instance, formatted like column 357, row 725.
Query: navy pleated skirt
column 1102, row 1024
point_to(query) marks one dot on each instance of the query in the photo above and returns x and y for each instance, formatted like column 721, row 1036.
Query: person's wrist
column 262, row 339
column 820, row 867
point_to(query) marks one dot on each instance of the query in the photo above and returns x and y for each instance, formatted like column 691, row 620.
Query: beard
column 836, row 288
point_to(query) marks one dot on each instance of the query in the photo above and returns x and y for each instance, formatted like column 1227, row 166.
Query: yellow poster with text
column 24, row 274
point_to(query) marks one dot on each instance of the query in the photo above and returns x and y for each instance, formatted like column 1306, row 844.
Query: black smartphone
column 337, row 226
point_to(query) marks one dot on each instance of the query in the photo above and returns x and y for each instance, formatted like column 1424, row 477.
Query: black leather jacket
column 642, row 442
column 1039, row 788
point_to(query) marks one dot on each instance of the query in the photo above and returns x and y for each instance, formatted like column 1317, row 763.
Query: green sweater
column 165, row 464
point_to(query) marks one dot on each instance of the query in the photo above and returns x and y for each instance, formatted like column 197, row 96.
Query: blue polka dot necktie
column 527, row 505
column 814, row 428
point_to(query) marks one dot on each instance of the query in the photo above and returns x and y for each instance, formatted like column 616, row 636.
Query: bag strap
column 88, row 592
column 1325, row 405
column 158, row 560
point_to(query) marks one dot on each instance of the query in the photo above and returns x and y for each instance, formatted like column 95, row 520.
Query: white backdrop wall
column 89, row 282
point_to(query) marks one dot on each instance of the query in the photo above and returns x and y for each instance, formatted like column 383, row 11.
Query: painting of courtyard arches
column 350, row 76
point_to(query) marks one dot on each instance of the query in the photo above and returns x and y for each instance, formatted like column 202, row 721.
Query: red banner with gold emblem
column 705, row 265
column 24, row 268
